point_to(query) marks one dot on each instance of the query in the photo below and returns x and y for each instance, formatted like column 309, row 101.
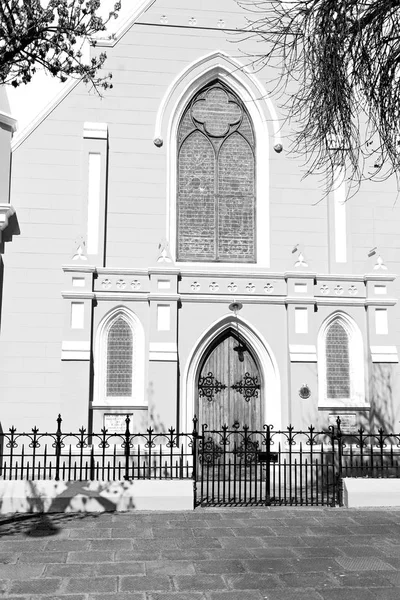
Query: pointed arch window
column 119, row 360
column 337, row 361
column 340, row 362
column 216, row 198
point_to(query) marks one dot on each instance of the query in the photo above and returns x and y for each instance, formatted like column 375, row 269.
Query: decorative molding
column 385, row 354
column 9, row 121
column 97, row 131
column 163, row 351
column 6, row 211
column 302, row 353
column 79, row 268
column 75, row 350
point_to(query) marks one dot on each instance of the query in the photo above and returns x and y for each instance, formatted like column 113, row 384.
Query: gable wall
column 48, row 192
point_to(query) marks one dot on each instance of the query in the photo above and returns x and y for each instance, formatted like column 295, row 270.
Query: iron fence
column 230, row 466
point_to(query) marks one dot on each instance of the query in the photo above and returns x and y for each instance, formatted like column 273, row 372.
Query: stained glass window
column 119, row 359
column 337, row 362
column 216, row 179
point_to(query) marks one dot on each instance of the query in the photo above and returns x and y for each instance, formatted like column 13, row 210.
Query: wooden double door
column 229, row 386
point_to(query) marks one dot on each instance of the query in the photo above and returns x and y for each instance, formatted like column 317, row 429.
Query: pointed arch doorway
column 229, row 386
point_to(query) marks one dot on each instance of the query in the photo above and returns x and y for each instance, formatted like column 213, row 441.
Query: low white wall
column 95, row 496
column 359, row 492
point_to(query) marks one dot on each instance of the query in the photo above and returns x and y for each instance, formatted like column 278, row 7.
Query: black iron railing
column 87, row 456
column 230, row 466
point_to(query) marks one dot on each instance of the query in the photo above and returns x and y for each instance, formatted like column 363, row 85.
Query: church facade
column 172, row 262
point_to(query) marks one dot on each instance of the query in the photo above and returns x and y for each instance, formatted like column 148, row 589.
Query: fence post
column 1, row 450
column 194, row 454
column 58, row 447
column 339, row 462
column 268, row 467
column 127, row 447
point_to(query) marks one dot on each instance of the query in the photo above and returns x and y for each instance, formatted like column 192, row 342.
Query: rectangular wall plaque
column 348, row 422
column 115, row 423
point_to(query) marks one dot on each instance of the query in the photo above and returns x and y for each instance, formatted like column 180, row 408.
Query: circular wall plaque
column 304, row 391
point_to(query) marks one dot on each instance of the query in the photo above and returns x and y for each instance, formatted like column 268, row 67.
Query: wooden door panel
column 218, row 402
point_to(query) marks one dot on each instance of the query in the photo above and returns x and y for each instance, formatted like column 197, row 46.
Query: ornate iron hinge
column 209, row 386
column 247, row 387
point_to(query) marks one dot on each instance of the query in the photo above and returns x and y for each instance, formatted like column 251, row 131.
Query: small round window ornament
column 304, row 392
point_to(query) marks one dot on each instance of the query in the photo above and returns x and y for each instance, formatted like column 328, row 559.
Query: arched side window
column 216, row 188
column 337, row 361
column 340, row 362
column 119, row 360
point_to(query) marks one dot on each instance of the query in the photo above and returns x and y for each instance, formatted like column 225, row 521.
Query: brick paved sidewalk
column 208, row 554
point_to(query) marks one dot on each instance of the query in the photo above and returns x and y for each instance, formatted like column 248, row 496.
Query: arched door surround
column 270, row 389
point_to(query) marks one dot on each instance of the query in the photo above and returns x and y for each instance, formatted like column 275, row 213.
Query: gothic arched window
column 337, row 361
column 216, row 203
column 340, row 362
column 119, row 359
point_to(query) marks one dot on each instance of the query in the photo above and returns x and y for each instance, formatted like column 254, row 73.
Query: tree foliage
column 338, row 79
column 50, row 35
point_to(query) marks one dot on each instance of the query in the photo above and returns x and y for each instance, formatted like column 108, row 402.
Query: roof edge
column 124, row 28
column 43, row 114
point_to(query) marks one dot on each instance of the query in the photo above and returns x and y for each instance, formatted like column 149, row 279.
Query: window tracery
column 216, row 217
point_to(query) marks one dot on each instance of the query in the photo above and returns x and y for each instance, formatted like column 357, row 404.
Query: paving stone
column 90, row 557
column 6, row 558
column 118, row 596
column 204, row 543
column 363, row 551
column 309, row 565
column 294, row 594
column 214, row 532
column 242, row 595
column 363, row 564
column 243, row 542
column 170, row 567
column 92, row 584
column 203, row 583
column 283, row 542
column 363, row 579
column 85, row 570
column 250, row 581
column 136, row 533
column 90, row 533
column 68, row 545
column 266, row 565
column 123, row 544
column 42, row 557
column 228, row 553
column 384, row 593
column 171, row 533
column 176, row 596
column 313, row 580
column 155, row 544
column 348, row 594
column 256, row 532
column 35, row 586
column 121, row 568
column 219, row 566
column 57, row 597
column 190, row 554
column 141, row 583
column 141, row 555
column 20, row 571
column 319, row 552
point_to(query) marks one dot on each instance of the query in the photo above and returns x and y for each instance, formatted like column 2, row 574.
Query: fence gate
column 238, row 466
